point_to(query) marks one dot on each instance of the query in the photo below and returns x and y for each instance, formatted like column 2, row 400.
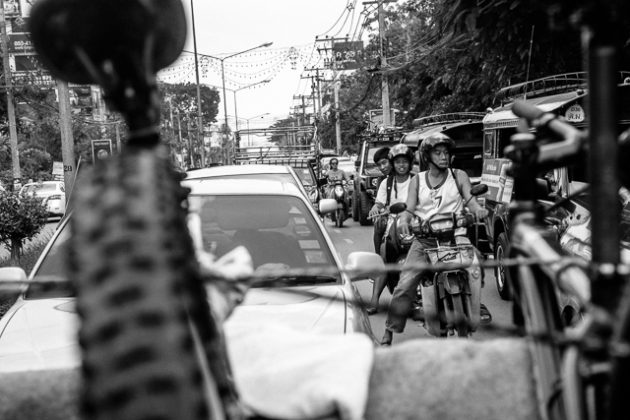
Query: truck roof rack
column 557, row 83
column 265, row 154
column 448, row 118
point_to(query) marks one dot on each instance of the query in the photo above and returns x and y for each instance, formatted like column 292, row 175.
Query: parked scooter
column 340, row 193
column 451, row 297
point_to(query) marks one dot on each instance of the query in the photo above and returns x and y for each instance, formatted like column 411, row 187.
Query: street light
column 242, row 88
column 248, row 120
column 222, row 60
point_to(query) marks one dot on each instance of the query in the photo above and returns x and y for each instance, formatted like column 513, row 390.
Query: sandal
column 371, row 310
column 486, row 316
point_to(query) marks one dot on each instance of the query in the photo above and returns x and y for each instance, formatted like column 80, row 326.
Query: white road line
column 336, row 231
column 348, row 240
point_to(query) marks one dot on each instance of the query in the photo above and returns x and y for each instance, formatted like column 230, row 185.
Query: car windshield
column 278, row 231
column 305, row 176
column 370, row 167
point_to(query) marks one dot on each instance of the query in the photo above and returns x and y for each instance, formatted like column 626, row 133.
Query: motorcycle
column 340, row 194
column 451, row 297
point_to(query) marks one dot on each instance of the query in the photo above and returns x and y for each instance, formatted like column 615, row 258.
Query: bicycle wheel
column 150, row 348
column 540, row 310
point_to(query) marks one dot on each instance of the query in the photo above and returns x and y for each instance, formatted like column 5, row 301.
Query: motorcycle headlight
column 373, row 182
column 338, row 191
column 441, row 225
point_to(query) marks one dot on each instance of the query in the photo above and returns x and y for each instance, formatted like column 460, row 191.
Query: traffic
column 368, row 260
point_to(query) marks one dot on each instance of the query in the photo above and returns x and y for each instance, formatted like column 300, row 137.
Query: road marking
column 348, row 240
column 336, row 231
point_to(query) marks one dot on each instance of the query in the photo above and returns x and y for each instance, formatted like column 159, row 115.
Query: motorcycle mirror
column 397, row 208
column 73, row 38
column 479, row 189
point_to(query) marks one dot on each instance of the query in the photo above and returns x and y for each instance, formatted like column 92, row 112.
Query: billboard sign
column 376, row 117
column 20, row 43
column 101, row 149
column 19, row 25
column 347, row 55
column 11, row 8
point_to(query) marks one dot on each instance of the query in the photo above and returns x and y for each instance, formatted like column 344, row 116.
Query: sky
column 225, row 27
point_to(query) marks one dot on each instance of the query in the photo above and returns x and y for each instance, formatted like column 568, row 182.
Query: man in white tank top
column 435, row 190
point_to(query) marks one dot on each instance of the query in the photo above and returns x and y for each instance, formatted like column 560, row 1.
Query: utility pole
column 67, row 142
column 13, row 141
column 384, row 82
column 337, row 116
column 199, row 120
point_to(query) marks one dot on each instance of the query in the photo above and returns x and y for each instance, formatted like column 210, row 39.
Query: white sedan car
column 52, row 193
column 270, row 217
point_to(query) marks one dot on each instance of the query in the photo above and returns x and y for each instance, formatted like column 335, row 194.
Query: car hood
column 41, row 334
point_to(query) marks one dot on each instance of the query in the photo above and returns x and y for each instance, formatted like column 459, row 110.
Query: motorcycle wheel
column 340, row 217
column 460, row 316
column 500, row 273
column 355, row 205
column 364, row 209
column 149, row 344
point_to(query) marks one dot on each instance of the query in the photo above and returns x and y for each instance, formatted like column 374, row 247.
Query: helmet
column 400, row 150
column 434, row 140
column 380, row 154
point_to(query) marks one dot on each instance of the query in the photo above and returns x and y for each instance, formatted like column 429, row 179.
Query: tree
column 21, row 218
column 446, row 56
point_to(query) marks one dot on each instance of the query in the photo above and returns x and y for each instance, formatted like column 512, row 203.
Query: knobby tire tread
column 139, row 290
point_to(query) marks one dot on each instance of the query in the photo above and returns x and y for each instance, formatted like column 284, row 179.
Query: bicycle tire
column 148, row 342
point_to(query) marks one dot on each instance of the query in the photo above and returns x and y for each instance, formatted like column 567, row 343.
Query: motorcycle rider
column 438, row 189
column 392, row 191
column 335, row 174
column 381, row 159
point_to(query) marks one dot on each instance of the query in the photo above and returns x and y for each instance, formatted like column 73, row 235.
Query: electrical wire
column 345, row 9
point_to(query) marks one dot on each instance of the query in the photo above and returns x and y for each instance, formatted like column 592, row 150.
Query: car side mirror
column 362, row 265
column 12, row 282
column 327, row 205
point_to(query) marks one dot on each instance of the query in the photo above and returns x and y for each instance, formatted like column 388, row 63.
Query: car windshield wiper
column 289, row 280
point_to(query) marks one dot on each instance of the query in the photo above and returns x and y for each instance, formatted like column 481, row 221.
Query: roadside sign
column 101, row 149
column 494, row 175
column 575, row 113
column 57, row 171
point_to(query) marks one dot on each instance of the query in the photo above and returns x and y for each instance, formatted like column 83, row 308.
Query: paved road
column 353, row 237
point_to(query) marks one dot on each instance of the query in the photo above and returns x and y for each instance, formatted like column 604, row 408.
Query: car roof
column 504, row 117
column 220, row 185
column 228, row 170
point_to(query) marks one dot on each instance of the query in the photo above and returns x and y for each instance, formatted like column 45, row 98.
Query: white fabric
column 284, row 373
column 443, row 199
column 396, row 195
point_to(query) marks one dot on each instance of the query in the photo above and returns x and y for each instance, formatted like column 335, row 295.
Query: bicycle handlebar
column 573, row 139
